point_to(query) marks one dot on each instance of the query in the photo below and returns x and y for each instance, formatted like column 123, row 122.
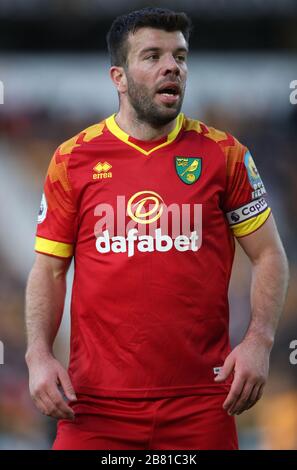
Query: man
column 148, row 202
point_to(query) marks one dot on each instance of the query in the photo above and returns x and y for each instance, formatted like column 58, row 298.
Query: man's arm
column 45, row 298
column 250, row 359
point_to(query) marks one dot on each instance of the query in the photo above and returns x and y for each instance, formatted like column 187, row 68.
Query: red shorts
column 192, row 422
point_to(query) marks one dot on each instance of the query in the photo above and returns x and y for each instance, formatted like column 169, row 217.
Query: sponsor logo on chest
column 145, row 223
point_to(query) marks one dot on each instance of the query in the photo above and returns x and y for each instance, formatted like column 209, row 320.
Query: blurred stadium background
column 54, row 68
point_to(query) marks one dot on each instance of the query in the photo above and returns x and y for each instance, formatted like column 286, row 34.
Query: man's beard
column 147, row 110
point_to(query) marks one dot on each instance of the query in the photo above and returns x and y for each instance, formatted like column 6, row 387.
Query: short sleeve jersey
column 151, row 227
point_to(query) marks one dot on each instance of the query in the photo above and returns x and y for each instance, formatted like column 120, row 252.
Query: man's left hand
column 250, row 363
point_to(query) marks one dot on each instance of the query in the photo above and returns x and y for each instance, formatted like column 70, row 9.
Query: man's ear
column 118, row 76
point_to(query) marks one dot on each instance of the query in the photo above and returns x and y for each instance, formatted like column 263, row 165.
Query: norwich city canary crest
column 188, row 168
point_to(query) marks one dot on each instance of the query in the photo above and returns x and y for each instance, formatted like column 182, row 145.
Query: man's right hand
column 46, row 374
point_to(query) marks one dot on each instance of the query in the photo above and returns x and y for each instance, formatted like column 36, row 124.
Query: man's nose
column 170, row 65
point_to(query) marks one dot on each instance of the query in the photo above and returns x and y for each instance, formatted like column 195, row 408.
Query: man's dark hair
column 158, row 18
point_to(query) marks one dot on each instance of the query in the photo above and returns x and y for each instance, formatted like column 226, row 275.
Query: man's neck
column 142, row 130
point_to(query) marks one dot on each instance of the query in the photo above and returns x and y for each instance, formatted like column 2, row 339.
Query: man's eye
column 153, row 56
column 182, row 58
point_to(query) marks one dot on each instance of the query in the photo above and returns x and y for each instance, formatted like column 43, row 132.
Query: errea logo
column 102, row 171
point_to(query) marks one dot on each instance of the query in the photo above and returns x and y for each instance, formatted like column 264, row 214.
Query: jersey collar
column 120, row 134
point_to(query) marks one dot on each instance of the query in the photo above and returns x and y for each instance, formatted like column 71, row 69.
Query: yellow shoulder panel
column 192, row 125
column 201, row 128
column 216, row 135
column 84, row 136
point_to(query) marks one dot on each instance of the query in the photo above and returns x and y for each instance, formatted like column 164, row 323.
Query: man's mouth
column 169, row 93
column 169, row 89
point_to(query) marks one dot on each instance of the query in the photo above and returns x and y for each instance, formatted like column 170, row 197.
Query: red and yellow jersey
column 151, row 227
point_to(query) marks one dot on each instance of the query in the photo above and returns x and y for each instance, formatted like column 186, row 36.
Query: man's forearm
column 44, row 307
column 45, row 297
column 249, row 360
column 270, row 276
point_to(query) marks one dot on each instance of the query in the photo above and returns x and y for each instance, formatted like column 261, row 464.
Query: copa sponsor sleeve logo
column 254, row 177
column 247, row 211
column 42, row 209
